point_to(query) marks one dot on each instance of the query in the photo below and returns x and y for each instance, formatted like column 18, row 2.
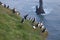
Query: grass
column 12, row 29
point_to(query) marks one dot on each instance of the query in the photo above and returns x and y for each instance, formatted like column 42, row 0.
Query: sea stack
column 40, row 10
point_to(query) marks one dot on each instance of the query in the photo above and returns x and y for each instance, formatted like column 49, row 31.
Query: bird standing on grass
column 43, row 30
column 5, row 5
column 33, row 20
column 25, row 16
column 8, row 6
column 22, row 21
column 14, row 10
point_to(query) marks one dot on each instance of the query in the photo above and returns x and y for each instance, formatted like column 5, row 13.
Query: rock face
column 40, row 10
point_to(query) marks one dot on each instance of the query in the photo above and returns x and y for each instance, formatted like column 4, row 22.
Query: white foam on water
column 33, row 7
column 47, row 11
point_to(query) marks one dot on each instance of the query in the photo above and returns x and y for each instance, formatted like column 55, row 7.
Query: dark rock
column 40, row 10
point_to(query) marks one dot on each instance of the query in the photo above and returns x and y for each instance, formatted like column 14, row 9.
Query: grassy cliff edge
column 12, row 29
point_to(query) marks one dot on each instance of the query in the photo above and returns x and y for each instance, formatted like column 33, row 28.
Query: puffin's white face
column 43, row 27
column 15, row 10
column 41, row 23
column 2, row 4
column 34, row 27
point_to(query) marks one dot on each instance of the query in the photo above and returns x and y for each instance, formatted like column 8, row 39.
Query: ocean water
column 51, row 18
